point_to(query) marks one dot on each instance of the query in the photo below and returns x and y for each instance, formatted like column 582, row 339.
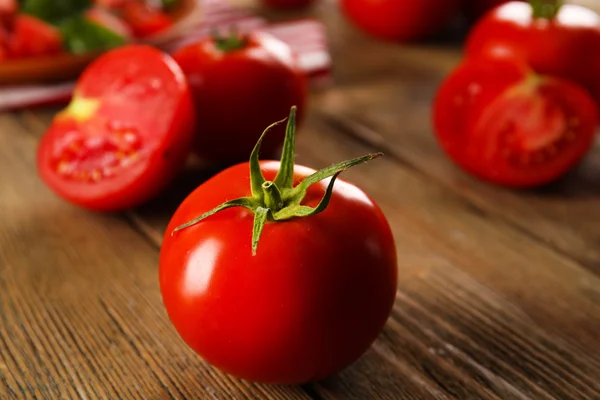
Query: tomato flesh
column 125, row 134
column 510, row 127
column 308, row 304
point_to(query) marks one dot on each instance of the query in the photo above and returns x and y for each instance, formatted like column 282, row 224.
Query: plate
column 63, row 67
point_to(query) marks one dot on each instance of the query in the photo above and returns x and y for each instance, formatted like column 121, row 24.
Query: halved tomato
column 32, row 37
column 125, row 134
column 503, row 123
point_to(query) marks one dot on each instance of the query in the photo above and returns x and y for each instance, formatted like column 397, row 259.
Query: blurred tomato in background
column 396, row 20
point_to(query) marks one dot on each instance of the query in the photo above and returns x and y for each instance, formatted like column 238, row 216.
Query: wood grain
column 499, row 293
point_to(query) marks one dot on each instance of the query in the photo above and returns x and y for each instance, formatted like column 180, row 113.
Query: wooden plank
column 81, row 314
column 506, row 335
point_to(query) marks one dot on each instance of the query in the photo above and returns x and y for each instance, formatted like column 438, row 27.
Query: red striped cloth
column 306, row 37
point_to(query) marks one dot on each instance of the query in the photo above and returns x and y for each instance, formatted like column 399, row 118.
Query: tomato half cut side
column 469, row 88
column 534, row 133
column 125, row 134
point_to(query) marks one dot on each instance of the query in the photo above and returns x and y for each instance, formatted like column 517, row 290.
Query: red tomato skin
column 144, row 20
column 485, row 100
column 308, row 304
column 394, row 20
column 288, row 4
column 31, row 37
column 167, row 135
column 567, row 46
column 238, row 94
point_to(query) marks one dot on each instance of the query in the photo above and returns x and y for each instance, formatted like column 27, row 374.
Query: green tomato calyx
column 230, row 42
column 279, row 200
column 545, row 9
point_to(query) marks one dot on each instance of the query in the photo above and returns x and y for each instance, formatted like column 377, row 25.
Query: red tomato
column 308, row 303
column 396, row 20
column 288, row 4
column 32, row 37
column 125, row 134
column 110, row 21
column 501, row 122
column 144, row 19
column 566, row 46
column 239, row 88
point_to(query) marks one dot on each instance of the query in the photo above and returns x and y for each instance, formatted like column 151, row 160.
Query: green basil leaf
column 168, row 4
column 82, row 36
column 54, row 11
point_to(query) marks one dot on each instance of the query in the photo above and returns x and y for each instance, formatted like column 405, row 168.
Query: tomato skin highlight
column 394, row 20
column 130, row 137
column 567, row 46
column 308, row 304
column 239, row 92
column 502, row 123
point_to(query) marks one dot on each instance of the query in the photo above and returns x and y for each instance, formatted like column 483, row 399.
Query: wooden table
column 499, row 291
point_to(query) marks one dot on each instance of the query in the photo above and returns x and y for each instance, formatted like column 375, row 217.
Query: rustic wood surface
column 499, row 290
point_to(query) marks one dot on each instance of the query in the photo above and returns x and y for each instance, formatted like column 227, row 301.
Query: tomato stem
column 279, row 200
column 272, row 196
column 545, row 9
column 231, row 42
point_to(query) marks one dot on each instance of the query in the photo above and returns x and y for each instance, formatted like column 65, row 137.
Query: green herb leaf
column 82, row 36
column 54, row 11
column 169, row 4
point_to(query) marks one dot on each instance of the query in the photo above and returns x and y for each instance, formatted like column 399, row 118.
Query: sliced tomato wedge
column 145, row 20
column 125, row 134
column 32, row 37
column 501, row 122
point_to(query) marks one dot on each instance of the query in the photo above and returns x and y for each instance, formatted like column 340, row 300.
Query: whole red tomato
column 558, row 41
column 125, row 134
column 282, row 284
column 503, row 123
column 241, row 85
column 404, row 20
column 288, row 4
